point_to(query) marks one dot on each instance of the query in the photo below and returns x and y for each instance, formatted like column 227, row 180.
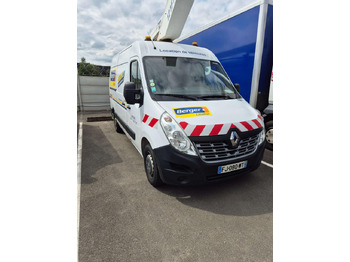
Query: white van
column 178, row 107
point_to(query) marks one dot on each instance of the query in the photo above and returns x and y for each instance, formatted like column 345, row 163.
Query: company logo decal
column 234, row 138
column 113, row 77
column 121, row 78
column 184, row 112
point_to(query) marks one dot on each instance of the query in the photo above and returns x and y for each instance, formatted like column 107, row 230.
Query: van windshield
column 181, row 78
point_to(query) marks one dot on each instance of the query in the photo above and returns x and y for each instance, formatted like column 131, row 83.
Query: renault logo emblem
column 234, row 138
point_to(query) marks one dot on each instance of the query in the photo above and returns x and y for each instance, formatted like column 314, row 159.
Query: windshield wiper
column 215, row 96
column 178, row 95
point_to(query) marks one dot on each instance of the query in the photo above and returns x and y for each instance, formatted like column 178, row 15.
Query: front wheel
column 151, row 167
column 269, row 135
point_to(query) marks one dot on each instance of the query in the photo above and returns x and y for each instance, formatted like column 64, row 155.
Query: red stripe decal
column 216, row 129
column 145, row 118
column 198, row 130
column 257, row 123
column 246, row 125
column 232, row 126
column 260, row 117
column 153, row 122
column 183, row 125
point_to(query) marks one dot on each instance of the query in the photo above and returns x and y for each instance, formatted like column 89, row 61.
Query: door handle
column 128, row 107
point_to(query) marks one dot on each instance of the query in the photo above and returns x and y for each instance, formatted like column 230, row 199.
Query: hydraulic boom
column 172, row 21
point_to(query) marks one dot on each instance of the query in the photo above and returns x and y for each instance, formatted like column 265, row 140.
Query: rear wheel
column 151, row 167
column 269, row 135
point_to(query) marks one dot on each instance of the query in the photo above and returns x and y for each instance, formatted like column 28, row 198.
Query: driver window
column 135, row 75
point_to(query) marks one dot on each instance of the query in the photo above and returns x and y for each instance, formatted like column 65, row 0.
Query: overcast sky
column 105, row 27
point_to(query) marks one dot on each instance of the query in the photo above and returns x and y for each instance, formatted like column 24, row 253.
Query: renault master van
column 181, row 111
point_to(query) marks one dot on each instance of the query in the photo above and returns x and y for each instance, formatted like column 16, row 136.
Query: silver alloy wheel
column 269, row 136
column 149, row 165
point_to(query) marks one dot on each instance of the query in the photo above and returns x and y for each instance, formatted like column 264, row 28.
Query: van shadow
column 97, row 153
column 247, row 195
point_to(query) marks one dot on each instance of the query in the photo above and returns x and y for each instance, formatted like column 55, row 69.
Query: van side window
column 135, row 75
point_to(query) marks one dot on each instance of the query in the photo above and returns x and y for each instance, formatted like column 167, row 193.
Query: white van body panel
column 154, row 134
column 146, row 48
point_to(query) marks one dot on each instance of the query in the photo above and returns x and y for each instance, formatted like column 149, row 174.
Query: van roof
column 146, row 48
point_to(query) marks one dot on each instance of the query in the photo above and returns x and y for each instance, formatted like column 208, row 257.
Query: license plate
column 232, row 167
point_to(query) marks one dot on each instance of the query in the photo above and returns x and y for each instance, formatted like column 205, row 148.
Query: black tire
column 269, row 135
column 151, row 167
column 117, row 127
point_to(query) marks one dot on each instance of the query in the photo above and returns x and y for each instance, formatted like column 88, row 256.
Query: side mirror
column 238, row 87
column 131, row 94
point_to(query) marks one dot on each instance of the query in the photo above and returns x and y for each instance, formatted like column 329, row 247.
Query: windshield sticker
column 153, row 85
column 207, row 70
column 121, row 78
column 184, row 112
column 113, row 78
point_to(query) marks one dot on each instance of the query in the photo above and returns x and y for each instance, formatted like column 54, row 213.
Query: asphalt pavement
column 124, row 218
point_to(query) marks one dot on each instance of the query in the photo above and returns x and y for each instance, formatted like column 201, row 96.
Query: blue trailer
column 243, row 42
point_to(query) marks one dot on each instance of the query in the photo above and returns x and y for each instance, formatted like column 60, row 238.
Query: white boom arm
column 172, row 21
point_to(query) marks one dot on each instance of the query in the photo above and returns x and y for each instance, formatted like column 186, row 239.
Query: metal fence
column 93, row 93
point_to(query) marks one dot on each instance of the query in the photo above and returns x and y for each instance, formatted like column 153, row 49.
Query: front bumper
column 176, row 168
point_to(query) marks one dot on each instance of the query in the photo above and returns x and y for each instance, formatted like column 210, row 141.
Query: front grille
column 223, row 150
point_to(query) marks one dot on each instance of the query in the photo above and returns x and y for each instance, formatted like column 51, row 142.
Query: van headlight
column 176, row 136
column 261, row 137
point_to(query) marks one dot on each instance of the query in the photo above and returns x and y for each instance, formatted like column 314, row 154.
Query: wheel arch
column 144, row 142
column 268, row 118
